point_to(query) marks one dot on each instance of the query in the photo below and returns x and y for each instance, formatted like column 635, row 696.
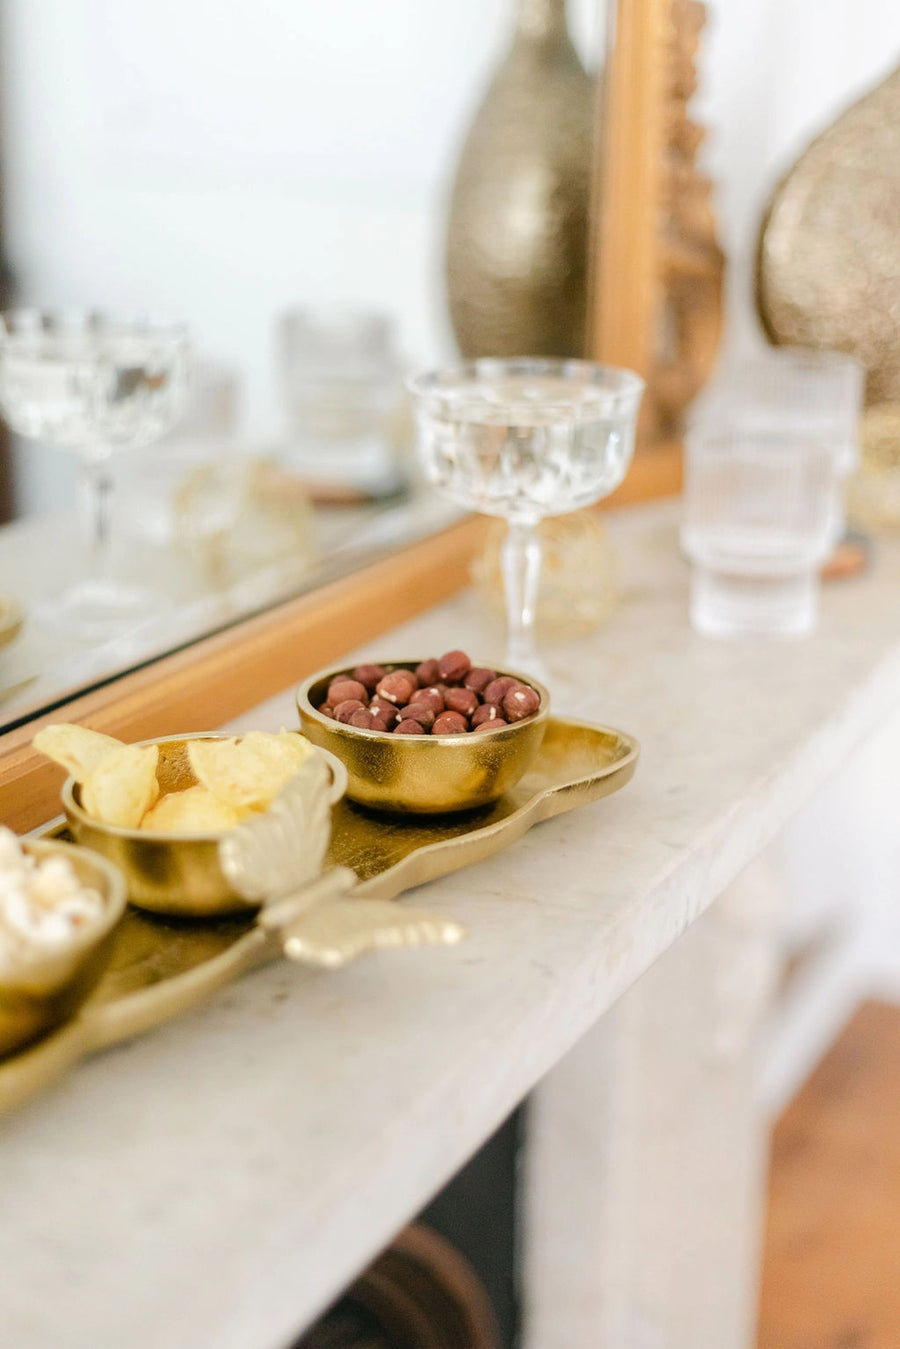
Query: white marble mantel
column 214, row 1184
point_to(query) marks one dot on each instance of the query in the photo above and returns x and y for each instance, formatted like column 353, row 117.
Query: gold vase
column 517, row 236
column 828, row 273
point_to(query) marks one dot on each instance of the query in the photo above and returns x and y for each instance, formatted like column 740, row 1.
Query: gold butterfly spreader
column 326, row 881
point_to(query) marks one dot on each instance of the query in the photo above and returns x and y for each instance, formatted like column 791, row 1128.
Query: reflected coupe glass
column 524, row 439
column 95, row 385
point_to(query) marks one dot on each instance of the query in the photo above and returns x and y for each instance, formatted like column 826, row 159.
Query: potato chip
column 123, row 786
column 193, row 811
column 79, row 750
column 248, row 773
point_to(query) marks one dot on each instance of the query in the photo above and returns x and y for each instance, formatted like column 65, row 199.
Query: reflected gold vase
column 517, row 236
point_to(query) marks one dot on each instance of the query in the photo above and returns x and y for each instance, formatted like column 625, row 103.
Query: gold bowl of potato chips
column 159, row 809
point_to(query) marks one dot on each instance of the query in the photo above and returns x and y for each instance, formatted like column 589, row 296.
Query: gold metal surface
column 577, row 763
column 51, row 990
column 331, row 935
column 517, row 235
column 11, row 619
column 827, row 267
column 329, row 925
column 873, row 493
column 177, row 874
column 424, row 775
column 161, row 967
column 318, row 916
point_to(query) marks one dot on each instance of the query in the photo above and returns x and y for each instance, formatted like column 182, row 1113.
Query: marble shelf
column 214, row 1184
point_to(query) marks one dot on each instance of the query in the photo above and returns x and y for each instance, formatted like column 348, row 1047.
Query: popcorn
column 43, row 905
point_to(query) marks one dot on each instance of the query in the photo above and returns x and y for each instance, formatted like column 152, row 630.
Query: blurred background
column 220, row 164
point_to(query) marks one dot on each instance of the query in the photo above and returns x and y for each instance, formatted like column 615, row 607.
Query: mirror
column 222, row 168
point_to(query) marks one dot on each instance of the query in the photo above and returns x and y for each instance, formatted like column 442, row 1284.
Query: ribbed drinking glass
column 757, row 525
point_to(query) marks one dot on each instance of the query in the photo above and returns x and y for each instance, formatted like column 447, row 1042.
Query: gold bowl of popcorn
column 59, row 905
column 159, row 809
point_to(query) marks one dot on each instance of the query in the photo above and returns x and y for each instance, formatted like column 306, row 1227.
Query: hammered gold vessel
column 517, row 233
column 52, row 989
column 167, row 873
column 827, row 273
column 424, row 775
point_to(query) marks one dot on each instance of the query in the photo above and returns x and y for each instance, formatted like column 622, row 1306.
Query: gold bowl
column 176, row 874
column 424, row 775
column 51, row 989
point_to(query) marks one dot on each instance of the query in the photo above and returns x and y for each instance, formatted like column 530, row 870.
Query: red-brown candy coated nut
column 450, row 723
column 431, row 697
column 520, row 703
column 494, row 691
column 382, row 721
column 363, row 719
column 327, row 711
column 344, row 711
column 478, row 678
column 427, row 673
column 454, row 665
column 369, row 675
column 484, row 715
column 341, row 688
column 489, row 725
column 419, row 712
column 397, row 687
column 463, row 701
column 410, row 727
column 378, row 704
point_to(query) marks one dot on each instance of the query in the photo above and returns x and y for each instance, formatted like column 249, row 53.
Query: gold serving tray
column 161, row 967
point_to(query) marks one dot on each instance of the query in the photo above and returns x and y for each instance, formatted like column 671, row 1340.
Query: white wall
column 775, row 72
column 219, row 159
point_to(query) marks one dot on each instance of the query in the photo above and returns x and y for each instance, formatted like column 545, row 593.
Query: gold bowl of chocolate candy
column 426, row 737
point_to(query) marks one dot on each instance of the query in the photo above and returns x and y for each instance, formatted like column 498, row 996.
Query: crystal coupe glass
column 523, row 439
column 95, row 385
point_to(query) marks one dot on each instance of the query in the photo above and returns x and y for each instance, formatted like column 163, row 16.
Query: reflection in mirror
column 279, row 182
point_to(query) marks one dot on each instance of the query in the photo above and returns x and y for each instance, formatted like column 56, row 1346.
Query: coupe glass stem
column 521, row 564
column 95, row 481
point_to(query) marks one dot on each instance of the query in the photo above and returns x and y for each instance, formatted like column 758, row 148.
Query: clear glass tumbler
column 341, row 378
column 791, row 390
column 758, row 513
column 524, row 439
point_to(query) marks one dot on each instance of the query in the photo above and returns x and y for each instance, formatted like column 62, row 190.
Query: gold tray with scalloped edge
column 161, row 967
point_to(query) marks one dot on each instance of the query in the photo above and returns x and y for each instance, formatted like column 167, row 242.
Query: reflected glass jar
column 341, row 380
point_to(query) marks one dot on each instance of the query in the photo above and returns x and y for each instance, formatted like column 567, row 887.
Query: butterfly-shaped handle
column 277, row 857
column 324, row 925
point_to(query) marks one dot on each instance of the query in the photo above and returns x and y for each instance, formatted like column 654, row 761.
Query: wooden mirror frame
column 220, row 676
